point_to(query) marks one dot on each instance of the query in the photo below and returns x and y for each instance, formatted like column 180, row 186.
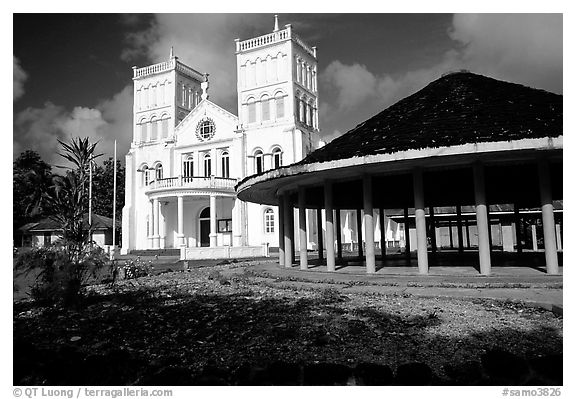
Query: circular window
column 205, row 129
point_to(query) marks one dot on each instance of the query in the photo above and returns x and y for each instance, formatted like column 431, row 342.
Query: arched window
column 159, row 171
column 153, row 128
column 207, row 165
column 164, row 126
column 279, row 106
column 269, row 221
column 258, row 161
column 143, row 131
column 303, row 110
column 225, row 164
column 310, row 117
column 265, row 103
column 251, row 110
column 145, row 175
column 188, row 167
column 297, row 106
column 205, row 214
column 277, row 157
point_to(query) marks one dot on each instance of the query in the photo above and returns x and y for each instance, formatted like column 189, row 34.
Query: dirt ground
column 223, row 324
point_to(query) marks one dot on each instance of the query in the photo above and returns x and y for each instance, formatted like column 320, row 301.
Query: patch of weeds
column 331, row 295
column 215, row 275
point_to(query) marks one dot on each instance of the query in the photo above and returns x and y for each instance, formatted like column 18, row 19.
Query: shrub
column 60, row 278
column 134, row 268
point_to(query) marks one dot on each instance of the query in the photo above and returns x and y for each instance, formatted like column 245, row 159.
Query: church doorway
column 205, row 227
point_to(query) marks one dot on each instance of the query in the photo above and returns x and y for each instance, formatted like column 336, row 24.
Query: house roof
column 99, row 222
column 459, row 108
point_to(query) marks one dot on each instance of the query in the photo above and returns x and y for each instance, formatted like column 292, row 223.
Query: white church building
column 187, row 153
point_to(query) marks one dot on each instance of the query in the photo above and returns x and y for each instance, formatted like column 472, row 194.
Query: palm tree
column 67, row 195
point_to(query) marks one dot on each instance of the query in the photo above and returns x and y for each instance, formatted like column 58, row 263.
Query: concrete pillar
column 369, row 224
column 459, row 228
column 559, row 237
column 328, row 204
column 382, row 233
column 151, row 225
column 281, row 223
column 359, row 228
column 407, row 231
column 302, row 226
column 534, row 237
column 339, row 235
column 320, row 243
column 432, row 225
column 213, row 235
column 548, row 223
column 156, row 236
column 237, row 223
column 518, row 228
column 482, row 220
column 420, row 216
column 180, row 233
column 288, row 231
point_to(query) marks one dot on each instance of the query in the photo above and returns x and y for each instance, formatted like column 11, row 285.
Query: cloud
column 203, row 41
column 40, row 129
column 20, row 76
column 522, row 48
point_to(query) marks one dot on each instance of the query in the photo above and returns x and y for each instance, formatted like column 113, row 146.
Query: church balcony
column 191, row 185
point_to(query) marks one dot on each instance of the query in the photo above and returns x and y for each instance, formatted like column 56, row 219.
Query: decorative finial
column 171, row 52
column 275, row 22
column 204, row 86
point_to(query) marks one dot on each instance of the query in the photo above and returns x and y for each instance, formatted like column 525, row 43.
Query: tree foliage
column 31, row 179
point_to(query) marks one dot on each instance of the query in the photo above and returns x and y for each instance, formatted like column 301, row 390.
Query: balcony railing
column 167, row 66
column 273, row 38
column 199, row 182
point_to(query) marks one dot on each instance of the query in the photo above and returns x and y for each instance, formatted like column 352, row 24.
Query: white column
column 420, row 217
column 151, row 225
column 156, row 236
column 369, row 224
column 302, row 228
column 237, row 223
column 288, row 231
column 213, row 235
column 482, row 220
column 328, row 204
column 558, row 238
column 534, row 238
column 281, row 256
column 180, row 234
column 548, row 223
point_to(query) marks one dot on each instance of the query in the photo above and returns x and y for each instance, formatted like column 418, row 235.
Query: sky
column 72, row 73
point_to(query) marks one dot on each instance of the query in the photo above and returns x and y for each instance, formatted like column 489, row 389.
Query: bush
column 137, row 268
column 60, row 278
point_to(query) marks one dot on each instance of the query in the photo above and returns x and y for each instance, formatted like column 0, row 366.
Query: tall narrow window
column 265, row 109
column 258, row 162
column 153, row 129
column 159, row 172
column 143, row 131
column 277, row 157
column 269, row 221
column 297, row 107
column 207, row 165
column 225, row 164
column 279, row 106
column 251, row 112
column 164, row 127
column 145, row 175
column 188, row 167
